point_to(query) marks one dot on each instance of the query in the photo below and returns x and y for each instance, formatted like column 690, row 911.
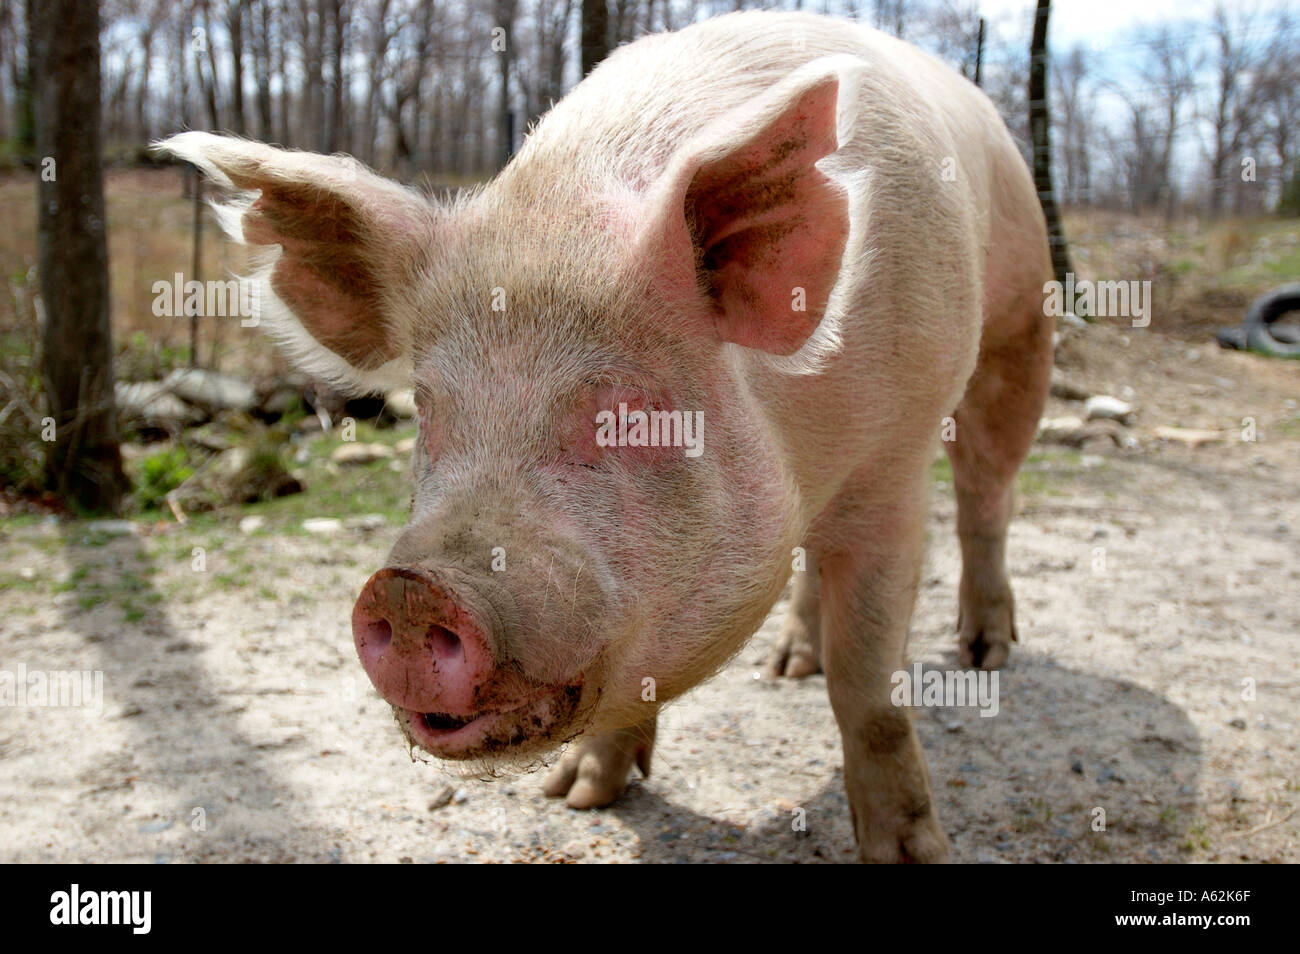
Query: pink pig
column 809, row 240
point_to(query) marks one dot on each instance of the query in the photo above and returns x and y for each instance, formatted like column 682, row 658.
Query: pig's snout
column 420, row 647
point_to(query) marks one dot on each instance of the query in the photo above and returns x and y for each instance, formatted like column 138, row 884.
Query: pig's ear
column 346, row 240
column 744, row 218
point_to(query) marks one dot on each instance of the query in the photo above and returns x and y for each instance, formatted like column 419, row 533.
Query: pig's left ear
column 336, row 244
column 745, row 221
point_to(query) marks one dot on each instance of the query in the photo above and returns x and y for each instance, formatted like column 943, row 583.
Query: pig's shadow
column 1030, row 784
column 182, row 729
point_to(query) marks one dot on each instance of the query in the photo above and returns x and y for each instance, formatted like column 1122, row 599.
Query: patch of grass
column 13, row 581
column 1034, row 818
column 1040, row 475
column 74, row 580
column 343, row 492
column 160, row 473
column 22, row 521
column 232, row 581
column 1195, row 838
column 145, row 358
column 1031, row 483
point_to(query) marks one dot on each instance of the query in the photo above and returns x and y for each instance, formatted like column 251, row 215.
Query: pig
column 816, row 241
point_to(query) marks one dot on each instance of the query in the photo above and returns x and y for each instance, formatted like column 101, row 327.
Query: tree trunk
column 235, row 14
column 280, row 68
column 313, row 33
column 142, row 90
column 21, row 79
column 595, row 33
column 208, row 78
column 379, row 39
column 83, row 461
column 181, row 71
column 555, row 72
column 505, row 19
column 1040, row 136
column 260, row 27
column 332, row 26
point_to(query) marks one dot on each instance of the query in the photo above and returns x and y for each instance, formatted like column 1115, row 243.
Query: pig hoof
column 986, row 634
column 921, row 841
column 593, row 772
column 795, row 655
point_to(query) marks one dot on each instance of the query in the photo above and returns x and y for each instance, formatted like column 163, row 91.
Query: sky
column 1111, row 30
column 1108, row 22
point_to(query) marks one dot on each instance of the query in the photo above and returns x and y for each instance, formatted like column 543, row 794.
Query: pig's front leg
column 593, row 772
column 869, row 578
column 798, row 649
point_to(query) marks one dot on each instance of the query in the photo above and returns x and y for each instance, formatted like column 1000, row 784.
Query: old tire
column 1264, row 311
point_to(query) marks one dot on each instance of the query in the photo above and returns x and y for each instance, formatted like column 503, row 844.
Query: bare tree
column 1075, row 122
column 236, row 17
column 949, row 29
column 505, row 12
column 1006, row 65
column 595, row 33
column 1279, row 102
column 8, row 61
column 310, row 27
column 890, row 15
column 623, row 25
column 83, row 461
column 1171, row 68
column 1136, row 154
column 543, row 80
column 379, row 37
column 259, row 19
column 408, row 70
column 335, row 16
column 205, row 63
column 1233, row 110
column 180, row 69
column 150, row 17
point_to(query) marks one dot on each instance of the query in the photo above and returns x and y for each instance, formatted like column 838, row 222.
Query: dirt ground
column 1157, row 679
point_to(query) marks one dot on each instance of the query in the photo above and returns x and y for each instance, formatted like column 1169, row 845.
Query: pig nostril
column 444, row 643
column 376, row 634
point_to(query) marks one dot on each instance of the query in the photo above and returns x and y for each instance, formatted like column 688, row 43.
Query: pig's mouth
column 543, row 720
column 441, row 722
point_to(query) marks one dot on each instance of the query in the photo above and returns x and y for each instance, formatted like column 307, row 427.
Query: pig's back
column 648, row 98
column 901, row 331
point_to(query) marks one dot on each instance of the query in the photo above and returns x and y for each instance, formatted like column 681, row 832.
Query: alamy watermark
column 128, row 908
column 946, row 688
column 1089, row 299
column 62, row 689
column 653, row 428
column 237, row 298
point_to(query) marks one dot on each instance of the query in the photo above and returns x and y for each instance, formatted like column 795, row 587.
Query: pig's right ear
column 347, row 238
column 744, row 224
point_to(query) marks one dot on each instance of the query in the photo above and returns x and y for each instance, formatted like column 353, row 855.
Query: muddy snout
column 421, row 646
column 439, row 654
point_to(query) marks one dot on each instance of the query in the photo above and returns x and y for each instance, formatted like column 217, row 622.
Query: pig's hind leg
column 798, row 649
column 594, row 771
column 996, row 422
